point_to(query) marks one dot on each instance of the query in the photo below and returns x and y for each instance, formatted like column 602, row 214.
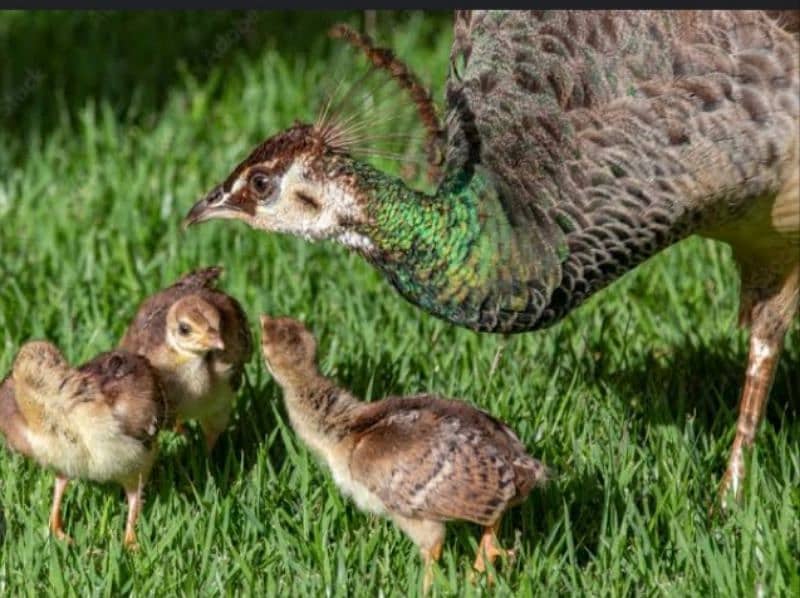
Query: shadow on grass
column 55, row 61
column 701, row 381
column 133, row 57
column 704, row 382
column 375, row 378
column 540, row 520
column 184, row 466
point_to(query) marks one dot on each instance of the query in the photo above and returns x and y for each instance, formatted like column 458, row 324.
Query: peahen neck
column 455, row 253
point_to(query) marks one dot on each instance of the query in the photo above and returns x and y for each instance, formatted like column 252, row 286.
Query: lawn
column 112, row 125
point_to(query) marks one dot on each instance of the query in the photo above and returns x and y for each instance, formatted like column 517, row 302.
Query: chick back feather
column 130, row 387
column 432, row 458
column 98, row 421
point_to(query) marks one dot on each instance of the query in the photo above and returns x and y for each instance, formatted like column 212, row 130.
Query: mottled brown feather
column 433, row 458
column 59, row 406
column 98, row 421
column 12, row 423
column 618, row 133
column 129, row 385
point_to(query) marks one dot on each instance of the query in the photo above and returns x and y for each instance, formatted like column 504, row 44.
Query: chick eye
column 184, row 329
column 260, row 184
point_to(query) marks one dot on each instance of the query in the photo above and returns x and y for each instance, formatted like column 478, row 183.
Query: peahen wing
column 613, row 134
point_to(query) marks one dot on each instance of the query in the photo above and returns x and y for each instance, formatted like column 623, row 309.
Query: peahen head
column 300, row 182
column 305, row 182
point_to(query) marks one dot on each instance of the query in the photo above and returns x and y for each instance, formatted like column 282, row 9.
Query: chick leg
column 215, row 424
column 56, row 525
column 211, row 437
column 430, row 556
column 134, row 495
column 489, row 549
column 429, row 536
column 769, row 318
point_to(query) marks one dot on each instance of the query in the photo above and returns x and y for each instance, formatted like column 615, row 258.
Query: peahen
column 576, row 146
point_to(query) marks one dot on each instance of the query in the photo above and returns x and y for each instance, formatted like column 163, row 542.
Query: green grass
column 114, row 125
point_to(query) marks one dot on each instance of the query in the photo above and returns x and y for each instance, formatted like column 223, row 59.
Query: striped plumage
column 578, row 144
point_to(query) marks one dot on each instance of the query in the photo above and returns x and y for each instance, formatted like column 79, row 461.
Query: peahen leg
column 770, row 318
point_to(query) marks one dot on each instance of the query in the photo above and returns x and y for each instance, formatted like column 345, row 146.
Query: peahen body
column 577, row 145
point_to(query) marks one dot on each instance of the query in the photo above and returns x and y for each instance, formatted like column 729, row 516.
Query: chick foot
column 489, row 550
column 430, row 557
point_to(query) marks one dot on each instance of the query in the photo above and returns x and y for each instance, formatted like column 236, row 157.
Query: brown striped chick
column 97, row 422
column 419, row 460
column 198, row 339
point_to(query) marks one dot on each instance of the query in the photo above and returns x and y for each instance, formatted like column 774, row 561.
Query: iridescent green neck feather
column 457, row 253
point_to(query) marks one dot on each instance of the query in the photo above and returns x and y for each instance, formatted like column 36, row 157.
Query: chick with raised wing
column 420, row 460
column 98, row 421
column 198, row 340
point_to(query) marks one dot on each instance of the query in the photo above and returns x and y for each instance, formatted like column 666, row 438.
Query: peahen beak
column 217, row 204
column 205, row 208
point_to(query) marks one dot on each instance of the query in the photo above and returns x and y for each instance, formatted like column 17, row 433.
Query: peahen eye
column 260, row 184
column 184, row 329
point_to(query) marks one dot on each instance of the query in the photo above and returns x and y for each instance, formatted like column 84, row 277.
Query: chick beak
column 217, row 343
column 217, row 204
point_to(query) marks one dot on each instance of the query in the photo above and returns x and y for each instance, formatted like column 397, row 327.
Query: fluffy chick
column 199, row 341
column 420, row 460
column 98, row 421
